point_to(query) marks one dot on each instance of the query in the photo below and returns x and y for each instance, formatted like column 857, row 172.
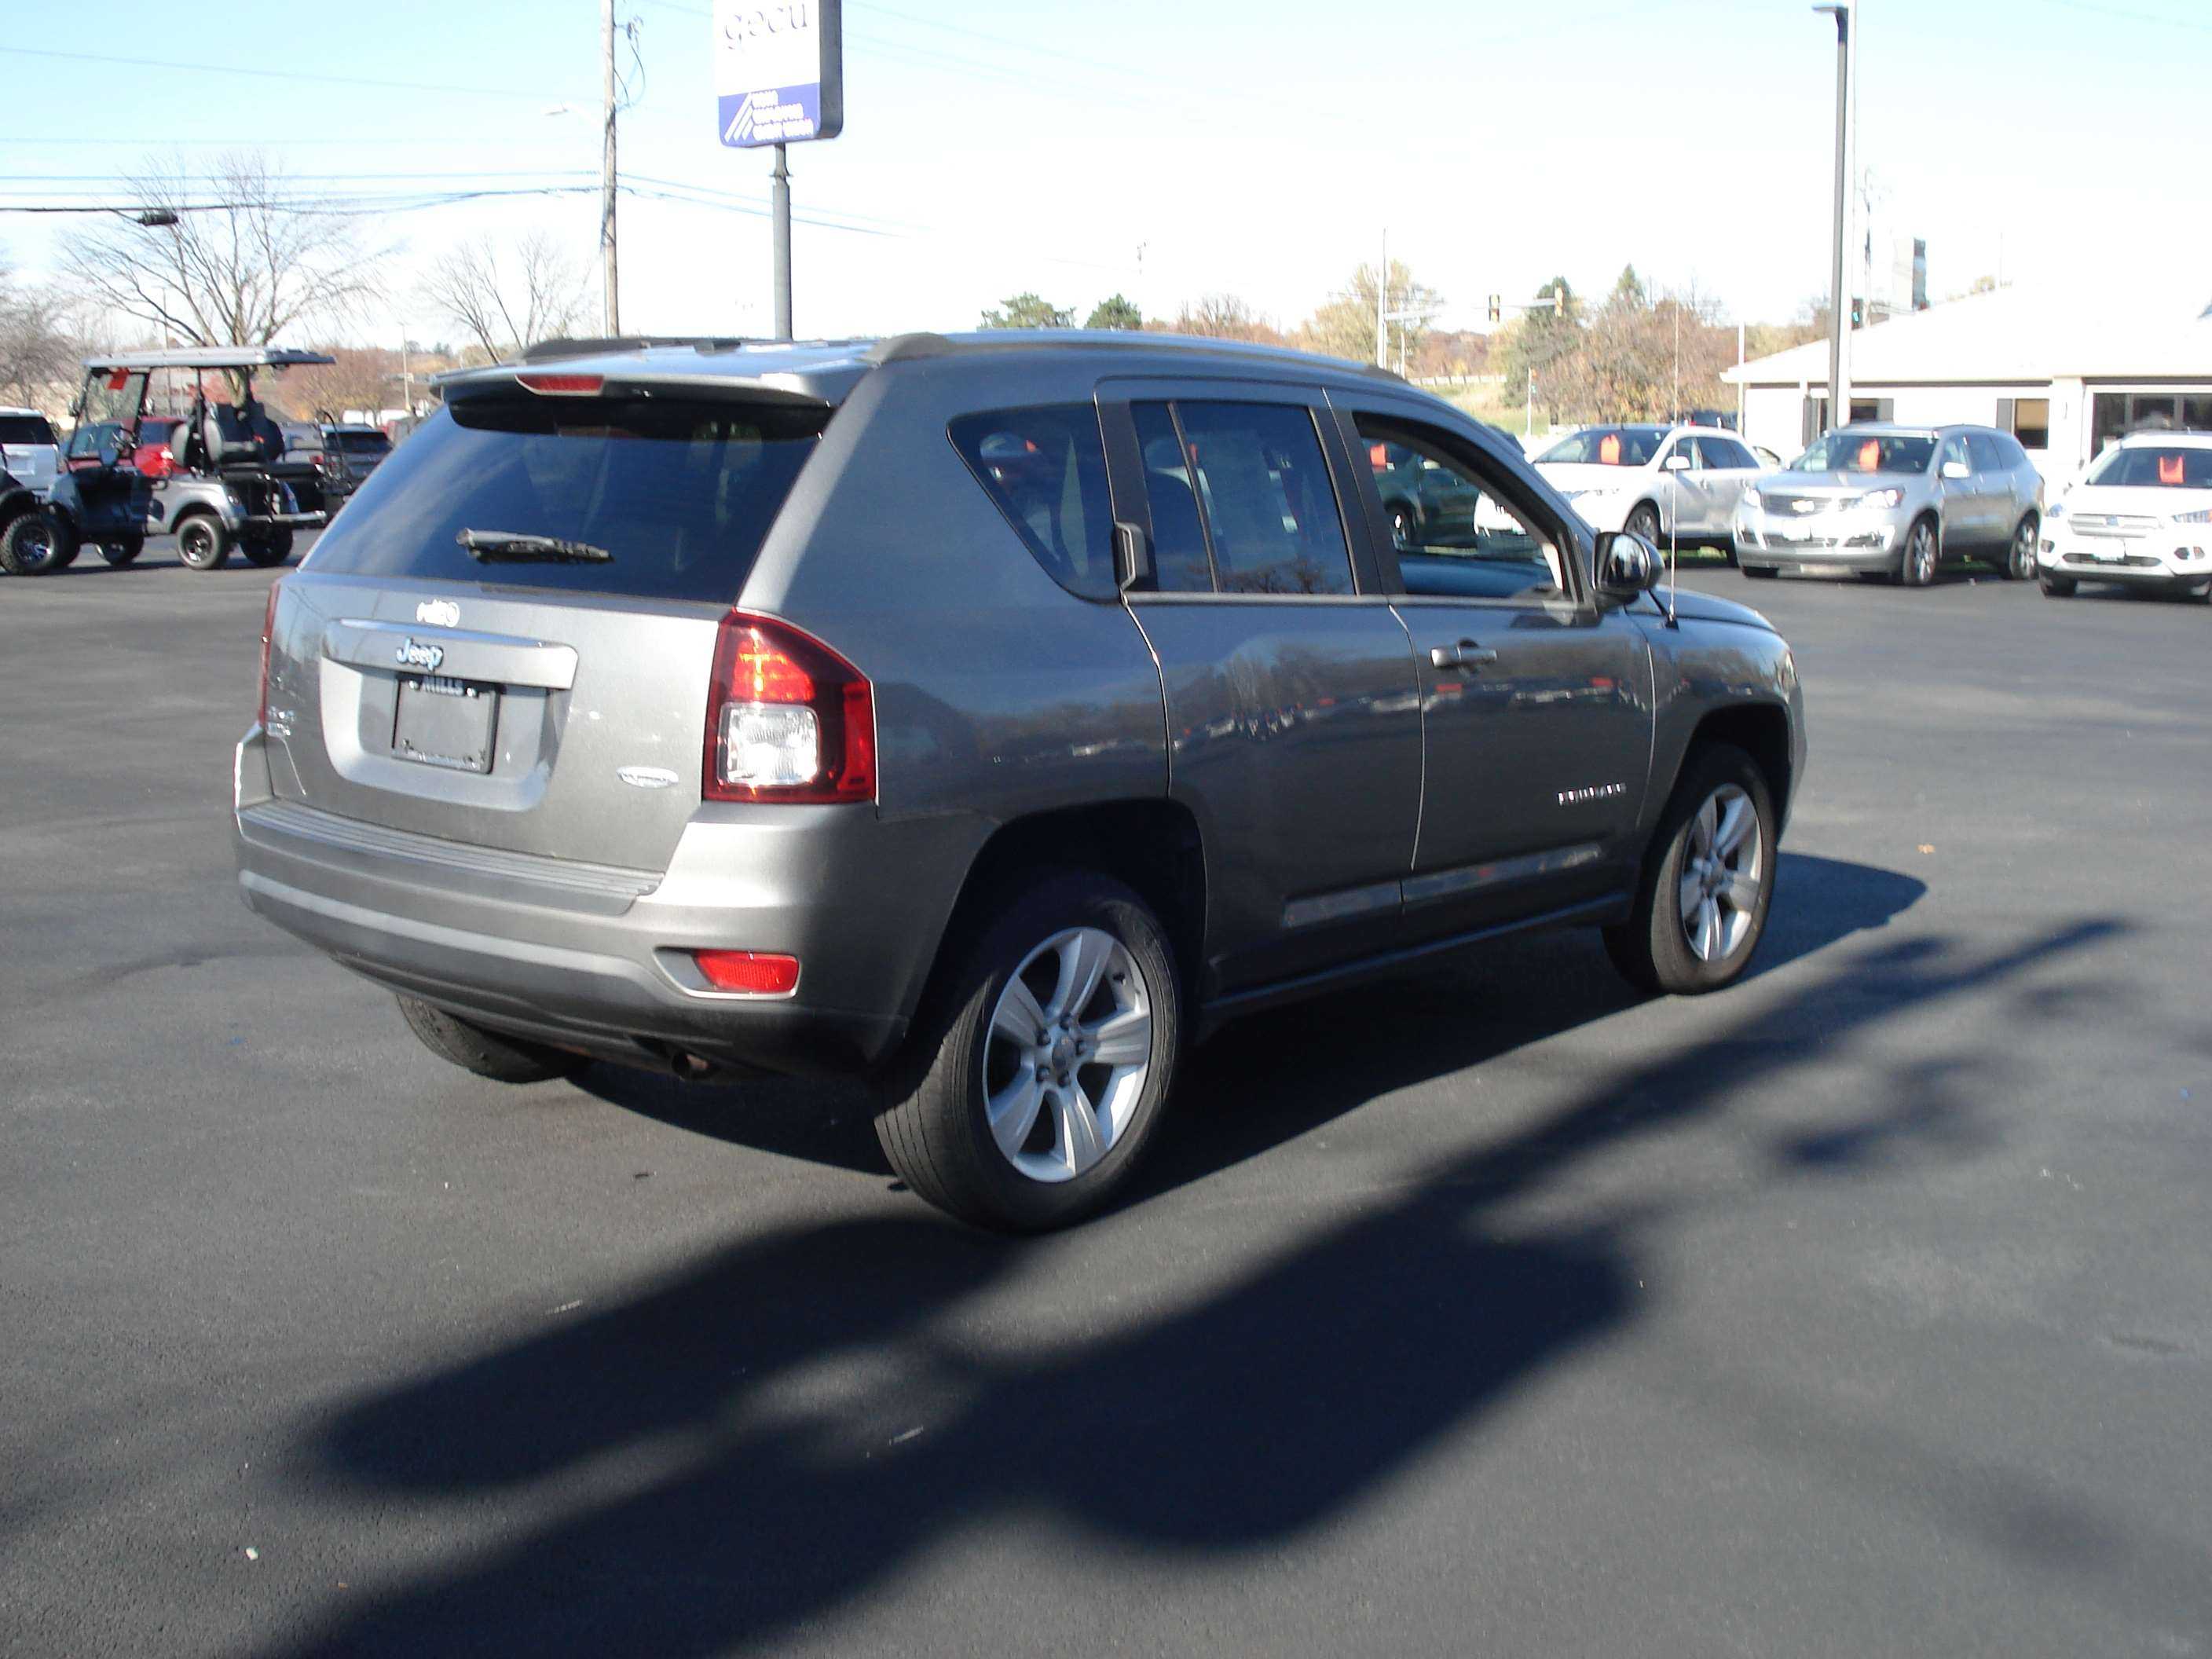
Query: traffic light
column 1497, row 307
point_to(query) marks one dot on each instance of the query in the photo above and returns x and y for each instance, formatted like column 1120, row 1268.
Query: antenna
column 1674, row 572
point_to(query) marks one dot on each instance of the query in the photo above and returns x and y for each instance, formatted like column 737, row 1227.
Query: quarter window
column 1046, row 469
column 1264, row 500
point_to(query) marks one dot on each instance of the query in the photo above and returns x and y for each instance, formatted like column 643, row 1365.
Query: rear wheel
column 2020, row 558
column 1644, row 521
column 266, row 549
column 37, row 543
column 202, row 542
column 122, row 550
column 1707, row 882
column 2056, row 587
column 488, row 1053
column 1041, row 1067
column 1917, row 565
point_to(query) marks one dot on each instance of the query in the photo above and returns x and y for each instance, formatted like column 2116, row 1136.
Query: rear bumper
column 578, row 957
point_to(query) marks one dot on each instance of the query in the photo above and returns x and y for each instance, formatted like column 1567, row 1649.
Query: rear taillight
column 787, row 719
column 268, row 632
column 749, row 973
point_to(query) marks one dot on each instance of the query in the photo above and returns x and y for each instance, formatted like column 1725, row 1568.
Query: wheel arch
column 1761, row 730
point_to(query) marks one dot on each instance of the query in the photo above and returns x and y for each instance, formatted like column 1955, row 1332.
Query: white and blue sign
column 779, row 71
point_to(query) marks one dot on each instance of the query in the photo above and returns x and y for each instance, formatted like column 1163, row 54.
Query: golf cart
column 230, row 484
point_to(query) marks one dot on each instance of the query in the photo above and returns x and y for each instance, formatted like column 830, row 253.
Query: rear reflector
column 268, row 631
column 753, row 973
column 572, row 386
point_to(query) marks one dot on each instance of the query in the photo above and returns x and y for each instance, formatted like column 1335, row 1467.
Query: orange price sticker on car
column 2169, row 469
column 1609, row 449
column 1870, row 456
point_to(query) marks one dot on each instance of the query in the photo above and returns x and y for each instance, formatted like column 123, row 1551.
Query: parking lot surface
column 1865, row 1308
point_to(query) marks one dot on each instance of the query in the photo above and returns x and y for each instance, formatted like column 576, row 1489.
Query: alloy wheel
column 1723, row 870
column 2023, row 551
column 1067, row 1054
column 1920, row 556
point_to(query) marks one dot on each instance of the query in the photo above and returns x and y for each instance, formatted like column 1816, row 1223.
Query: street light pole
column 1840, row 297
column 779, row 205
column 608, row 279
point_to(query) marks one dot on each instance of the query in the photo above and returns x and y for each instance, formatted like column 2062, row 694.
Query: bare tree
column 247, row 258
column 35, row 348
column 508, row 297
column 360, row 377
column 1224, row 317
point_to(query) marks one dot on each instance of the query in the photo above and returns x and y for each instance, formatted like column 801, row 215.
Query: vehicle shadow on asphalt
column 1431, row 1022
column 803, row 1416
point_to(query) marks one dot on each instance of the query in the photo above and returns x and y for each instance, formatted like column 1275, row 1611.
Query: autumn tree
column 1538, row 338
column 1027, row 310
column 1345, row 326
column 247, row 257
column 360, row 376
column 508, row 296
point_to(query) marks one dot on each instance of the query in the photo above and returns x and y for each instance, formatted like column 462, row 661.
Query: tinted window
column 1266, row 499
column 1726, row 452
column 363, row 443
column 2175, row 466
column 25, row 430
column 681, row 494
column 1607, row 446
column 1046, row 469
column 1954, row 454
column 1987, row 458
column 1454, row 535
column 1180, row 564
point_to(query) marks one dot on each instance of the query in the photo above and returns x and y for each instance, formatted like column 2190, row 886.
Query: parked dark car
column 990, row 717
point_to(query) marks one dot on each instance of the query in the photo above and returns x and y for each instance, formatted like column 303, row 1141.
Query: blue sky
column 1261, row 149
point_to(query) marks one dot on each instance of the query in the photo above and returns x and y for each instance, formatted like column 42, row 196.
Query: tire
column 1922, row 556
column 37, row 544
column 1070, row 1130
column 1405, row 527
column 2020, row 555
column 202, row 542
column 2056, row 587
column 487, row 1054
column 267, row 550
column 1643, row 520
column 1654, row 949
column 1761, row 573
column 122, row 552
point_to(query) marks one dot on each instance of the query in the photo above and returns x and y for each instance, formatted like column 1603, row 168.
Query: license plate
column 445, row 722
column 2116, row 556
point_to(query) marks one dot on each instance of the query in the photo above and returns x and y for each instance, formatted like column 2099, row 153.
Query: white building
column 2066, row 373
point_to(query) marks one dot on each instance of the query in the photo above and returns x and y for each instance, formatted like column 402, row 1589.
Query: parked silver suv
column 990, row 717
column 1894, row 503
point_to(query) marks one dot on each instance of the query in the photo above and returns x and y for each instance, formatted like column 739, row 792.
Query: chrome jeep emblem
column 437, row 613
column 413, row 653
column 646, row 777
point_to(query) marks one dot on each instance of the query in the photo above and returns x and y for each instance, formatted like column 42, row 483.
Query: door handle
column 1466, row 654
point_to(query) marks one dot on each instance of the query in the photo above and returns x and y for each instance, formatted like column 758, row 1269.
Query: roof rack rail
column 553, row 350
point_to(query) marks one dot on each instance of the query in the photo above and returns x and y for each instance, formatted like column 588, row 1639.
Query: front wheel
column 2020, row 558
column 122, row 550
column 2056, row 587
column 1916, row 567
column 1644, row 521
column 37, row 544
column 202, row 542
column 487, row 1054
column 1702, row 899
column 268, row 549
column 1041, row 1069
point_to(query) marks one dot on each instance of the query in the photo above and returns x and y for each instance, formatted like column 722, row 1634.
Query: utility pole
column 1840, row 297
column 780, row 203
column 1739, row 379
column 609, row 280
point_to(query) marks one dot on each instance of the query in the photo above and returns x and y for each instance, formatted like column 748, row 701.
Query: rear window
column 25, row 430
column 679, row 495
column 363, row 443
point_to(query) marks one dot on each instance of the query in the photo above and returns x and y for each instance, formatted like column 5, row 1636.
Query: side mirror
column 1957, row 470
column 1677, row 462
column 1626, row 564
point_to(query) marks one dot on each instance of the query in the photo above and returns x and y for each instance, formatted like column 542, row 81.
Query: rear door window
column 1264, row 501
column 677, row 494
column 1987, row 458
column 25, row 430
column 1180, row 561
column 1726, row 454
column 1045, row 468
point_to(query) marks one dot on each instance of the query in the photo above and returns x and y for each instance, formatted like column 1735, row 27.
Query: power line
column 171, row 63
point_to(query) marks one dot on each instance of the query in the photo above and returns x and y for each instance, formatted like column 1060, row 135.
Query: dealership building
column 2066, row 373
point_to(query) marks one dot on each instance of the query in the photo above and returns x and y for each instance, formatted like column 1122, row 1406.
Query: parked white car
column 1680, row 483
column 29, row 453
column 2141, row 516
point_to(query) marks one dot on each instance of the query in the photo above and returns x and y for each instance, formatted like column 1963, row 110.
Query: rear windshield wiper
column 513, row 547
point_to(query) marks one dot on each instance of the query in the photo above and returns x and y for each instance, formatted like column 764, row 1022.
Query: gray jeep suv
column 989, row 717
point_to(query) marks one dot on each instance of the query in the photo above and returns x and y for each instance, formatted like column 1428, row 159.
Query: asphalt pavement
column 1864, row 1309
